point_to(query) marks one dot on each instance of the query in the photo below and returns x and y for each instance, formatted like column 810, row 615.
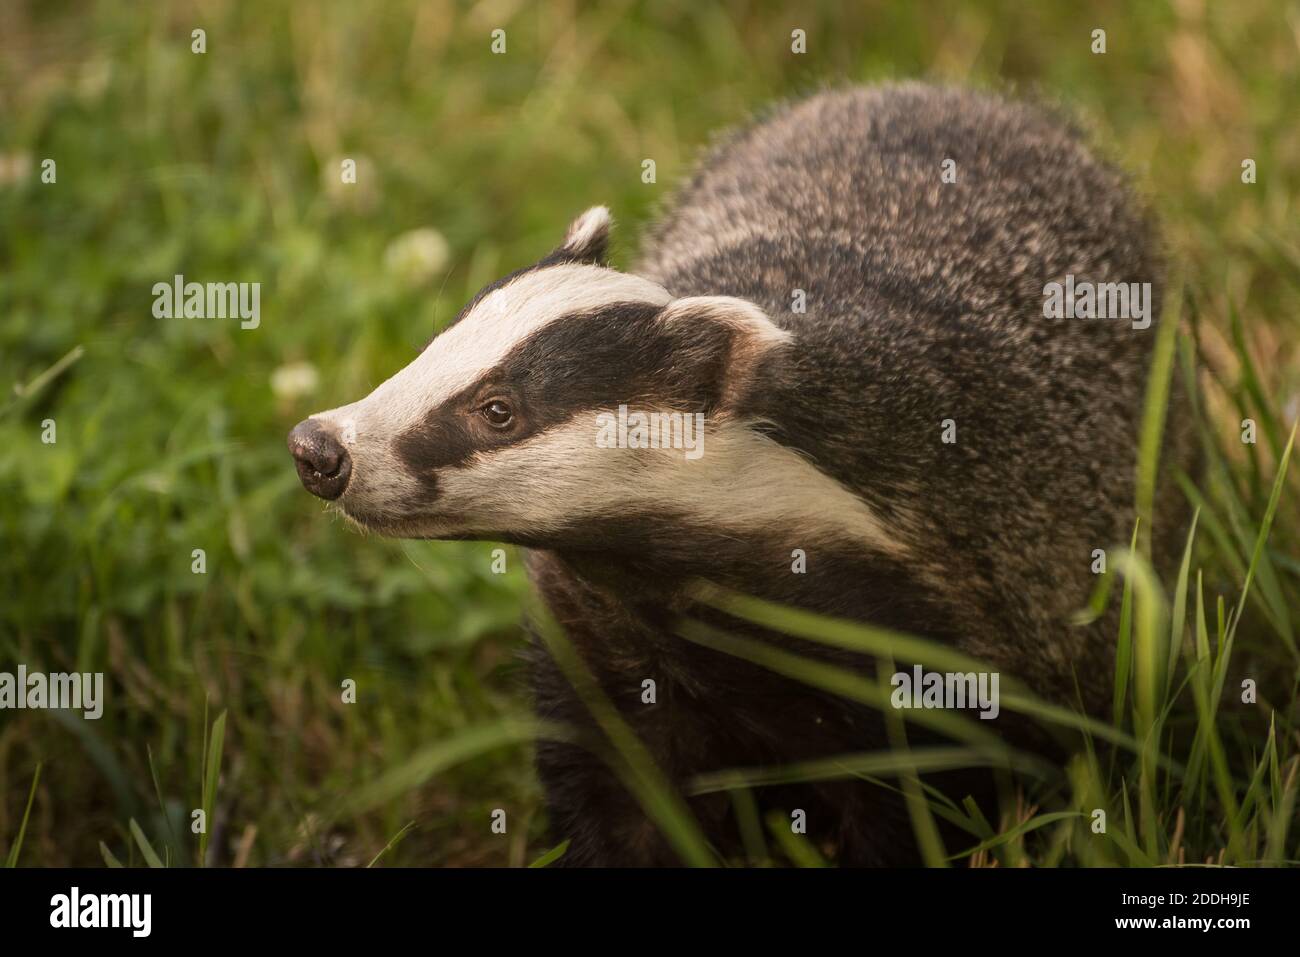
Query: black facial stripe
column 619, row 353
column 581, row 361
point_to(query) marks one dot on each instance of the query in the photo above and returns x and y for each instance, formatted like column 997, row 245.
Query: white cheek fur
column 744, row 482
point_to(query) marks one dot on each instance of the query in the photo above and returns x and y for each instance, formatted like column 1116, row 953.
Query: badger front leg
column 590, row 808
column 587, row 802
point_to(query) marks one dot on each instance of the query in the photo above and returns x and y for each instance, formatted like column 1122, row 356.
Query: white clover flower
column 417, row 256
column 294, row 379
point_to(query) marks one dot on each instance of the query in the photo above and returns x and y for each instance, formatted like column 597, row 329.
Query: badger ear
column 587, row 240
column 725, row 342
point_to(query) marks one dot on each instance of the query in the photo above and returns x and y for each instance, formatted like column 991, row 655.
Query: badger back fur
column 924, row 304
column 852, row 293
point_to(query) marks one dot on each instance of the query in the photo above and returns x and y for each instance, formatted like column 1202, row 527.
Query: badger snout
column 324, row 465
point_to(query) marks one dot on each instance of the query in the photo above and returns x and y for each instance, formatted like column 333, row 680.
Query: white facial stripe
column 744, row 482
column 460, row 356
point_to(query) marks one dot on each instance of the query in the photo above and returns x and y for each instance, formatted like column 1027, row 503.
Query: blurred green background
column 225, row 166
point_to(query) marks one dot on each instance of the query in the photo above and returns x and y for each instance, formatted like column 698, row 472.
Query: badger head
column 494, row 430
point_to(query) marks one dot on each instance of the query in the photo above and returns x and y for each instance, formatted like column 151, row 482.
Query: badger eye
column 498, row 414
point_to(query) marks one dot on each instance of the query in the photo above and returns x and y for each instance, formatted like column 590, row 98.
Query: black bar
column 612, row 908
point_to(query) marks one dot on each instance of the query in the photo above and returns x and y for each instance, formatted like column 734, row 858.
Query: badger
column 850, row 291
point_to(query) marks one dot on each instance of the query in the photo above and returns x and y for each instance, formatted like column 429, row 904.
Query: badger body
column 923, row 308
column 852, row 291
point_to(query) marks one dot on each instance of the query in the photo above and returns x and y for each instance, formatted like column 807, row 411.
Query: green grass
column 170, row 433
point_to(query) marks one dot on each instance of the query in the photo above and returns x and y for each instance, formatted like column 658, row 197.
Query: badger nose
column 324, row 465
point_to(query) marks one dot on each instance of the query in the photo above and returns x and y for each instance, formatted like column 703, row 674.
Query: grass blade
column 107, row 855
column 392, row 843
column 11, row 860
column 211, row 774
column 1154, row 413
column 151, row 857
column 551, row 856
